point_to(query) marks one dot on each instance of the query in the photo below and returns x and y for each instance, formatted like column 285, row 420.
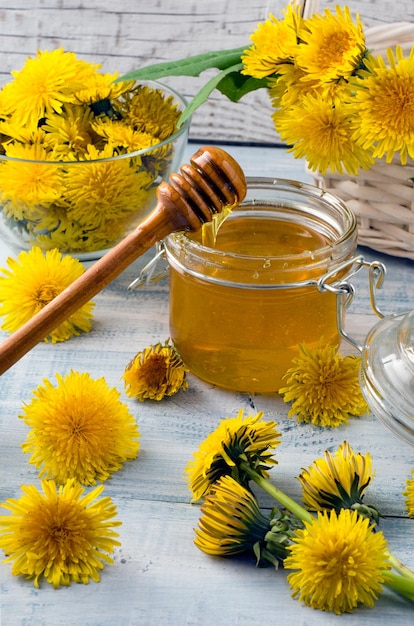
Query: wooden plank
column 161, row 579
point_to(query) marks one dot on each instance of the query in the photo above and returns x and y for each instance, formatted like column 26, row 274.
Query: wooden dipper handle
column 214, row 179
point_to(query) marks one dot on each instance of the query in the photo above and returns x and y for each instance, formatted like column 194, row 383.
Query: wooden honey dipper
column 213, row 180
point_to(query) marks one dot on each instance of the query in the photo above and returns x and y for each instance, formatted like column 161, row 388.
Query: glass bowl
column 85, row 207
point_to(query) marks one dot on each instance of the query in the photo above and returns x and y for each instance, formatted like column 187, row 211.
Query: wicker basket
column 382, row 197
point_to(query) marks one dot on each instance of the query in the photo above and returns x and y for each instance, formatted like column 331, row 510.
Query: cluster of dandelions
column 335, row 103
column 336, row 556
column 71, row 172
column 80, row 433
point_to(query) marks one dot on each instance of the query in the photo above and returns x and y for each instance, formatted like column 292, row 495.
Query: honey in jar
column 241, row 304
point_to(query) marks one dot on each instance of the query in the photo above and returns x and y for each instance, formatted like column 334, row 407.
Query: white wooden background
column 126, row 34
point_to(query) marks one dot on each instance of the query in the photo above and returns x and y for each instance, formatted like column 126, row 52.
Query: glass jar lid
column 387, row 373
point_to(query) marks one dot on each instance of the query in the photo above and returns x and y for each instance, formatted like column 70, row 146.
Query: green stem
column 403, row 585
column 278, row 495
column 401, row 568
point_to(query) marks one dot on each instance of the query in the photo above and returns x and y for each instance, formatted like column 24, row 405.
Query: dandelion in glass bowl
column 81, row 155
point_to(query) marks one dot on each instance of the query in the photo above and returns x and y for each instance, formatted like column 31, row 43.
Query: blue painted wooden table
column 159, row 576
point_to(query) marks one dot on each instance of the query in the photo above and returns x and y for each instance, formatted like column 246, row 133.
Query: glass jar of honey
column 241, row 302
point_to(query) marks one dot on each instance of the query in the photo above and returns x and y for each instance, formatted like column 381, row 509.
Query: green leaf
column 231, row 84
column 235, row 85
column 204, row 93
column 229, row 80
column 192, row 66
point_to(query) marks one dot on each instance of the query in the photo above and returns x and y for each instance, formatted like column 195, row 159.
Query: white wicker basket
column 382, row 197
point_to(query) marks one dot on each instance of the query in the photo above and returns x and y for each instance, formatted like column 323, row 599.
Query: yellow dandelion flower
column 9, row 132
column 43, row 85
column 31, row 282
column 61, row 535
column 384, row 104
column 332, row 46
column 105, row 190
column 154, row 373
column 150, row 111
column 242, row 438
column 71, row 133
column 321, row 131
column 98, row 87
column 24, row 135
column 287, row 89
column 338, row 481
column 274, row 45
column 341, row 562
column 79, row 429
column 409, row 495
column 125, row 138
column 232, row 523
column 57, row 231
column 323, row 387
column 28, row 187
